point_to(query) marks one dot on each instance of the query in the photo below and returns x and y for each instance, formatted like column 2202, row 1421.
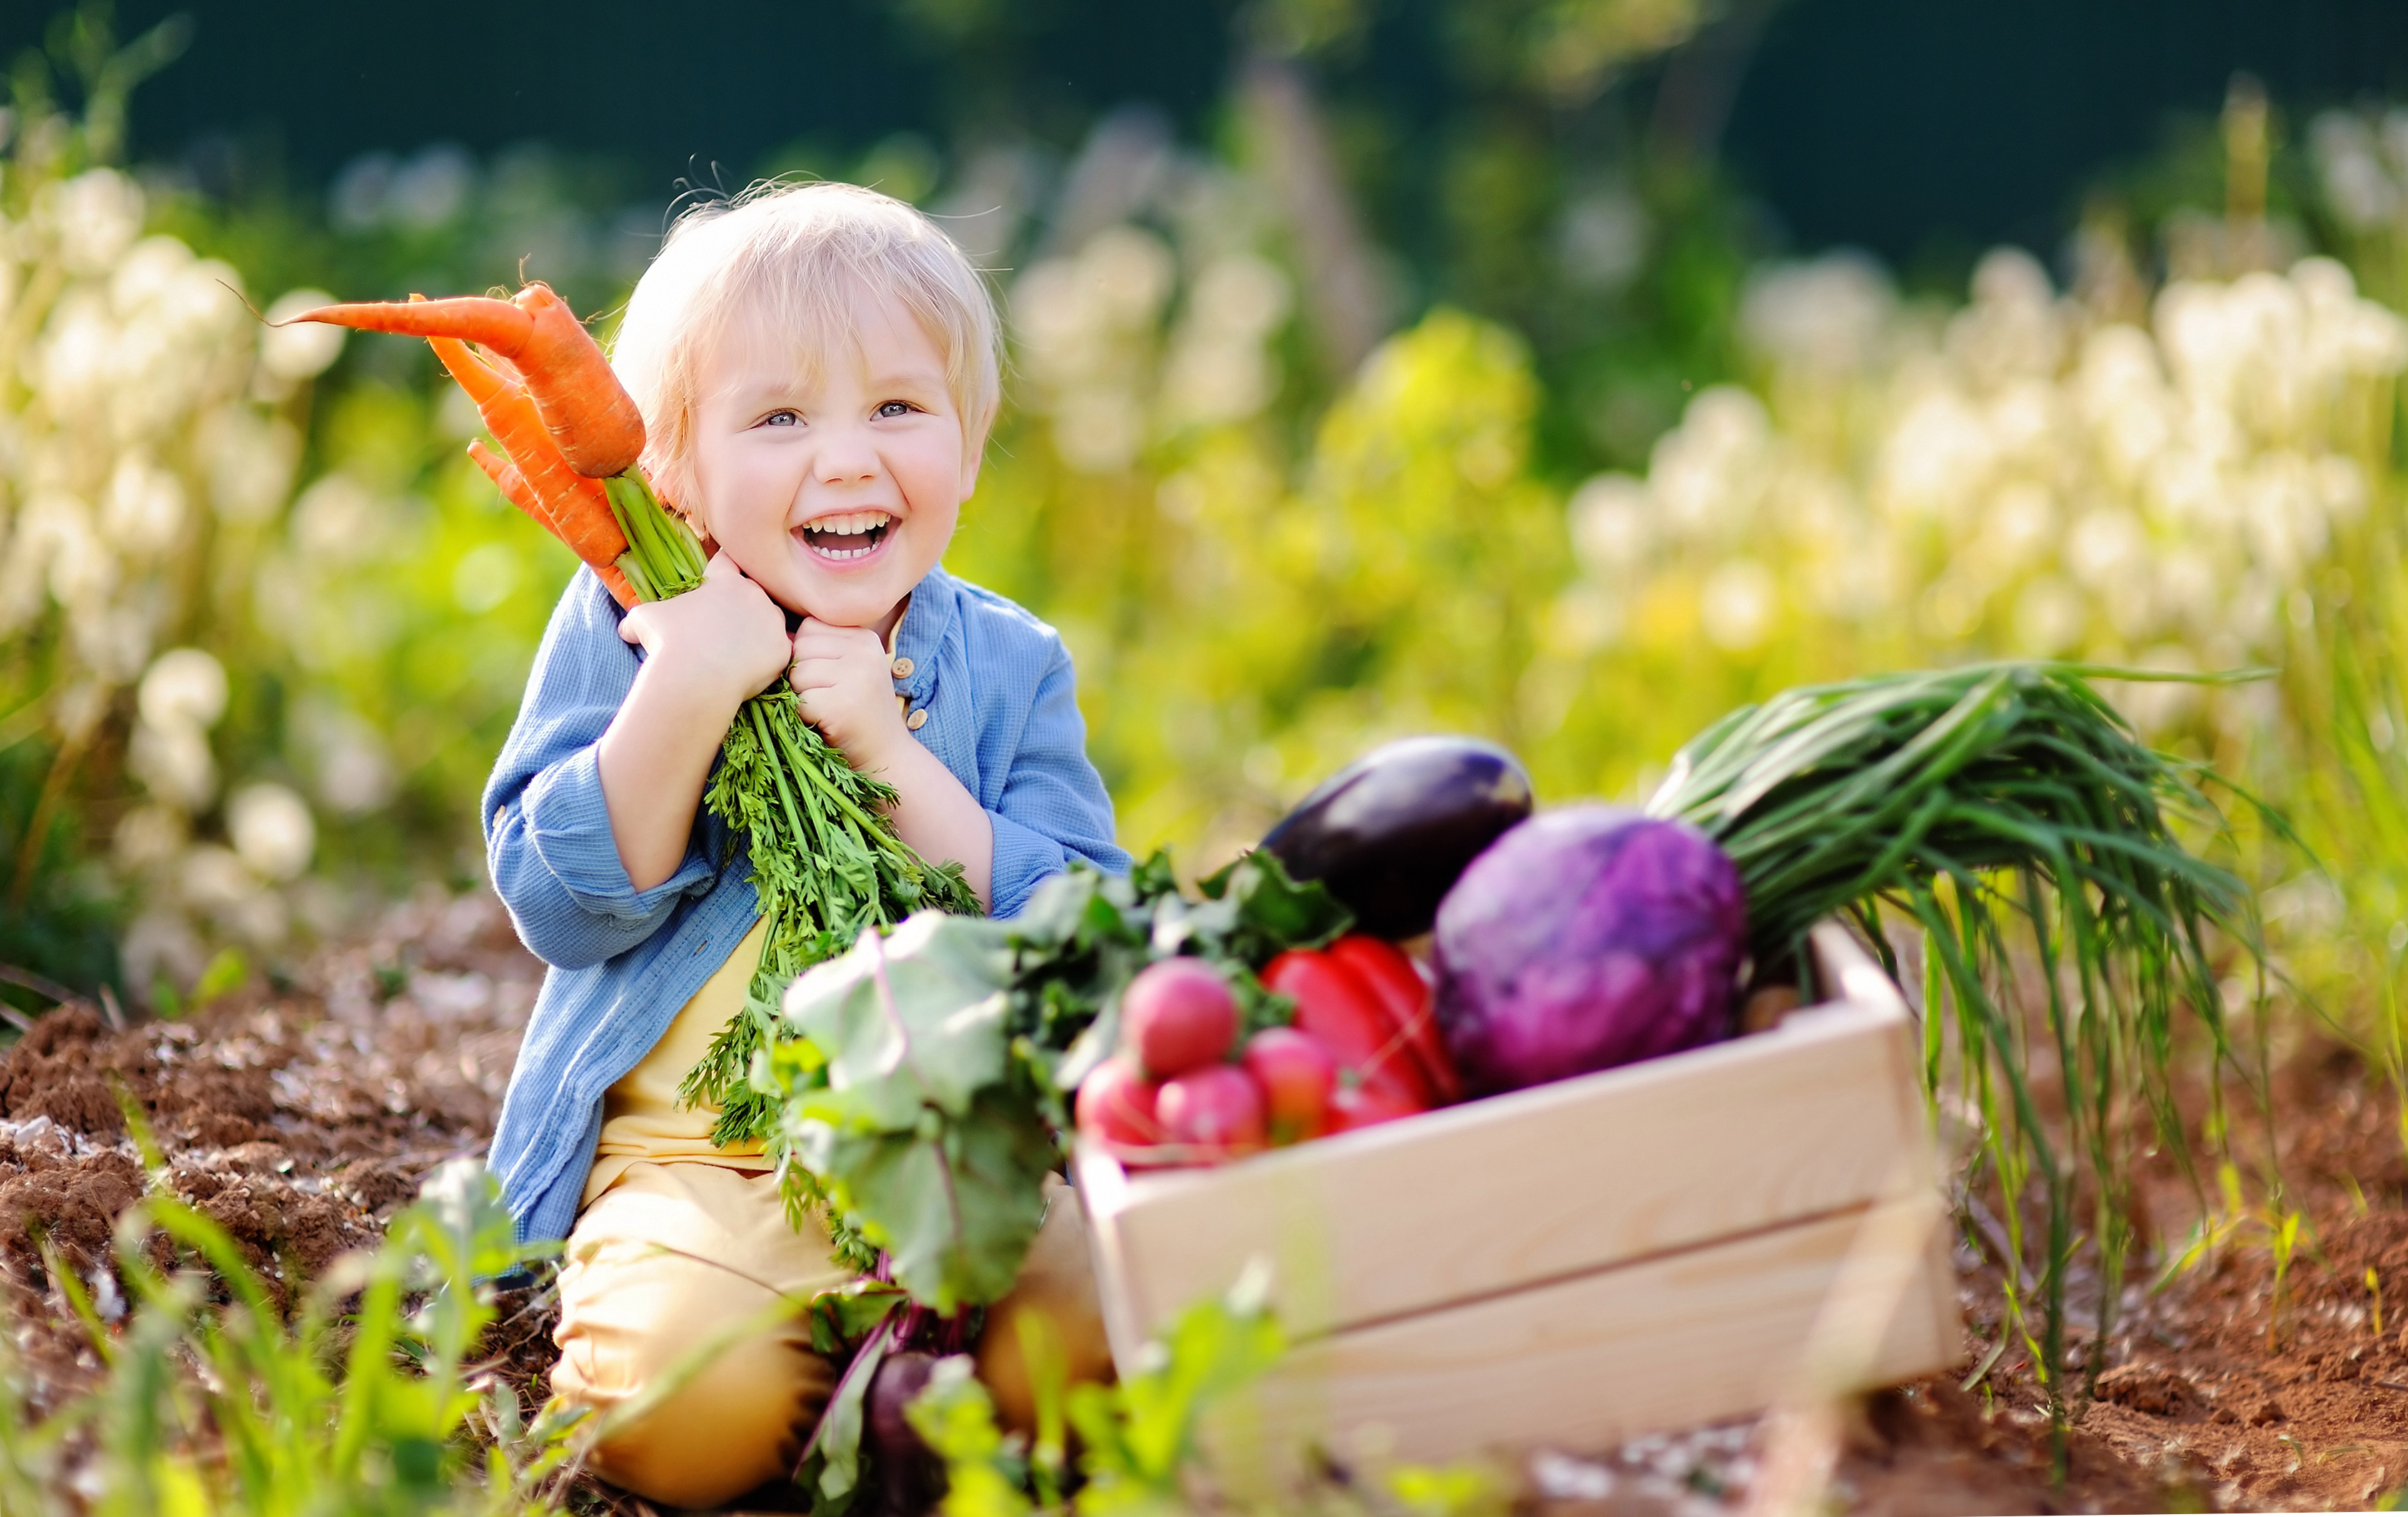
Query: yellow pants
column 675, row 1256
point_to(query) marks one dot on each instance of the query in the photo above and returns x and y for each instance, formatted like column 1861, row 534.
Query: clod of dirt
column 2160, row 1393
column 70, row 1201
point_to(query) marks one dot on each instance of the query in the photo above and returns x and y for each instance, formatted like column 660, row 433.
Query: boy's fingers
column 820, row 644
column 815, row 674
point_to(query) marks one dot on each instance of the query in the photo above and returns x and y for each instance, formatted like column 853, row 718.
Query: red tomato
column 1296, row 1076
column 1336, row 1009
column 1405, row 996
column 1178, row 1015
column 1216, row 1113
column 1118, row 1104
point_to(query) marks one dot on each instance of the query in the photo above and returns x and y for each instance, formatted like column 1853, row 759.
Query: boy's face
column 835, row 493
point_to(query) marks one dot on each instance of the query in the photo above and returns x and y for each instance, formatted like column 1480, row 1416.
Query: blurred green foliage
column 1302, row 454
column 216, row 1394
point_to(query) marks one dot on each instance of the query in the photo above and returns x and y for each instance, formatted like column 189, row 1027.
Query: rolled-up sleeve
column 548, row 840
column 1054, row 807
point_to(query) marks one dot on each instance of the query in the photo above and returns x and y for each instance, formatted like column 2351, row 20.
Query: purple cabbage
column 1584, row 938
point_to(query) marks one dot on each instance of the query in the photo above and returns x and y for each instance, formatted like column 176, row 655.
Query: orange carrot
column 579, row 512
column 589, row 415
column 515, row 489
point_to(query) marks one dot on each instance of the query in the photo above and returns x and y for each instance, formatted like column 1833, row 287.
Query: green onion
column 1997, row 806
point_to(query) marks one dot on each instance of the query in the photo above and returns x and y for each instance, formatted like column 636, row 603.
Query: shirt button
column 902, row 668
column 917, row 720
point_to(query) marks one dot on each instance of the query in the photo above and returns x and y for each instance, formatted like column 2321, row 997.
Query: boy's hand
column 723, row 640
column 840, row 677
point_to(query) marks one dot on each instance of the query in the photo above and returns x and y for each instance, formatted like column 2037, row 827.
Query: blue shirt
column 997, row 686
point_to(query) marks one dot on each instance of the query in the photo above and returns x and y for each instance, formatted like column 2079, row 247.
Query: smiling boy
column 817, row 371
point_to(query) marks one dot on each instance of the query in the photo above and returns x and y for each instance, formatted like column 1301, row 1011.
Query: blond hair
column 790, row 259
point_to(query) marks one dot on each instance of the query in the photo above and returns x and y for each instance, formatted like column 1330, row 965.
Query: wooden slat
column 1710, row 1332
column 1492, row 1195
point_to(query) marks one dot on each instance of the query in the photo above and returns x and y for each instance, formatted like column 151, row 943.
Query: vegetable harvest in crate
column 923, row 1070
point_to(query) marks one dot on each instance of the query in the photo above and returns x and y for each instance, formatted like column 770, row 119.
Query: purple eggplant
column 1390, row 833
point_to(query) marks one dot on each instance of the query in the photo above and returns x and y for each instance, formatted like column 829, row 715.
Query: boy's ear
column 971, row 470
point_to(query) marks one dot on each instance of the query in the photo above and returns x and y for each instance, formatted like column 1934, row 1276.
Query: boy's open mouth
column 846, row 536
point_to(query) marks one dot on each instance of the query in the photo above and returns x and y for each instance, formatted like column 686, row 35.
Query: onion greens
column 2000, row 808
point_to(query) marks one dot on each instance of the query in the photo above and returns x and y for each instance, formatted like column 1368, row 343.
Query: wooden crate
column 1644, row 1248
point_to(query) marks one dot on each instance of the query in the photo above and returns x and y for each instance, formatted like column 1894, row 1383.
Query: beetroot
column 1584, row 938
column 1178, row 1015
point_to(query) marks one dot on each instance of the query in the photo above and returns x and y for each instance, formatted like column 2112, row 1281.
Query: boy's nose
column 847, row 459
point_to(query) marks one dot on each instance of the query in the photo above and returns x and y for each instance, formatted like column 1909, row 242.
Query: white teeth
column 845, row 525
column 849, row 523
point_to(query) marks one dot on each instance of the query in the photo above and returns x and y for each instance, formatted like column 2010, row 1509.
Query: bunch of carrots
column 826, row 861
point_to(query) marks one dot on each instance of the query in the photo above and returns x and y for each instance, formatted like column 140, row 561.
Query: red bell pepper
column 1406, row 997
column 1360, row 1015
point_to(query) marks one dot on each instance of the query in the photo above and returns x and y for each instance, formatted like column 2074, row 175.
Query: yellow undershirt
column 641, row 1120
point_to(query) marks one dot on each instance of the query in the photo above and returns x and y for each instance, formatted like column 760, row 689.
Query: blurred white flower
column 143, row 509
column 1939, row 450
column 112, row 641
column 357, row 199
column 1218, row 370
column 1128, row 272
column 80, row 708
column 95, row 216
column 185, row 687
column 175, row 762
column 303, row 350
column 1602, row 243
column 2349, row 162
column 1830, row 315
column 2105, row 547
column 211, row 878
column 431, row 188
column 1706, row 476
column 1609, row 524
column 352, row 773
column 2021, row 525
column 249, row 461
column 75, row 362
column 1738, row 604
column 148, row 836
column 161, row 944
column 147, row 274
column 2014, row 329
column 272, row 830
column 56, row 539
column 334, row 520
column 1098, row 431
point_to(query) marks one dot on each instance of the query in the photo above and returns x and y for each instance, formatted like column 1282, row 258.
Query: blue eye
column 893, row 409
column 781, row 419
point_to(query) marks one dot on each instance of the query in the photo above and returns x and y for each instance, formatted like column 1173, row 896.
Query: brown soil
column 298, row 1119
column 301, row 1117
